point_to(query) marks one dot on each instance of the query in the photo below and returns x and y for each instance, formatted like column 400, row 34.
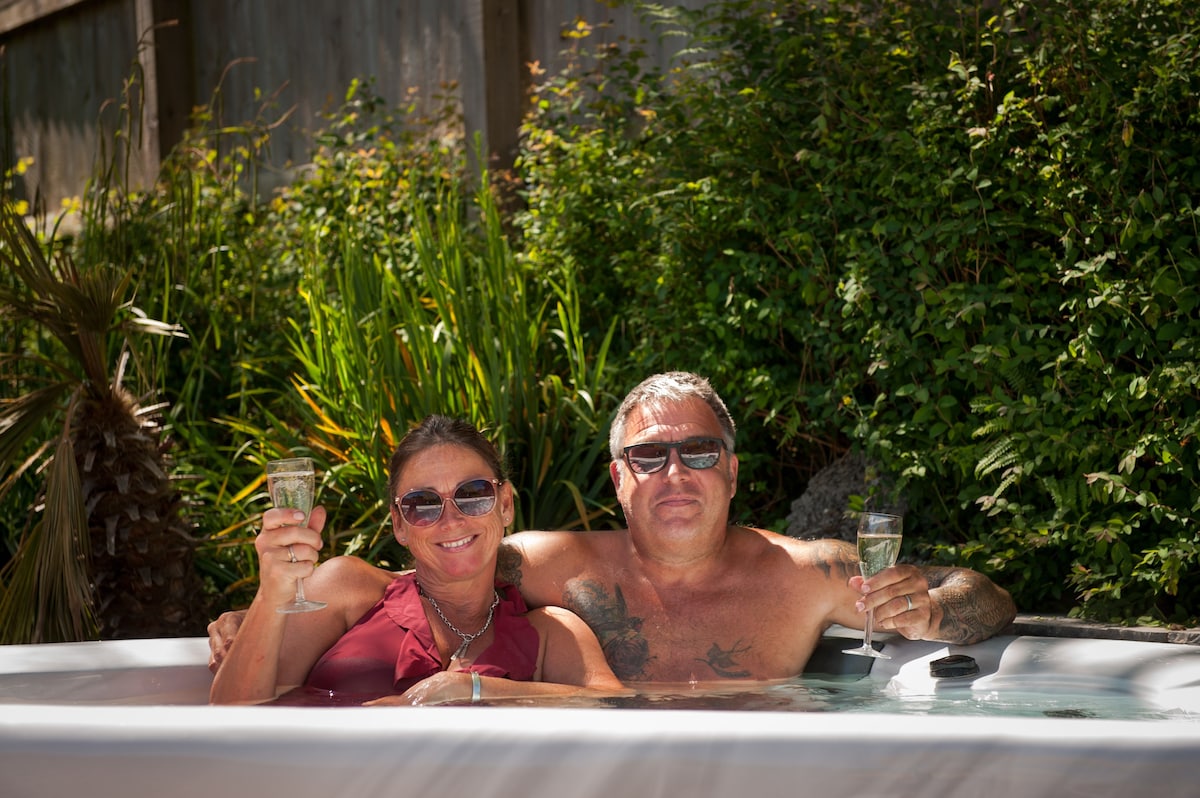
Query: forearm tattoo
column 973, row 609
column 620, row 634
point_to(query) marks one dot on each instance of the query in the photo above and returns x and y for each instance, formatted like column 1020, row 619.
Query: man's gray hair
column 670, row 387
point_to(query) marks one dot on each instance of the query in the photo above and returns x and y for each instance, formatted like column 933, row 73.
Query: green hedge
column 957, row 236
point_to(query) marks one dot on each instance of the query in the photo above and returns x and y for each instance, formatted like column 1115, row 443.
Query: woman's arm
column 571, row 653
column 274, row 651
column 252, row 666
column 570, row 662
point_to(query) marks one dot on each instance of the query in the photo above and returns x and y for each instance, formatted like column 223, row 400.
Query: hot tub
column 128, row 718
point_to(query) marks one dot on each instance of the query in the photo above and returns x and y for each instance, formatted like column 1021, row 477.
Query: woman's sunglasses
column 475, row 497
column 695, row 453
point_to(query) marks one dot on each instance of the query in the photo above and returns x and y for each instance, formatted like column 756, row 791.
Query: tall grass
column 447, row 320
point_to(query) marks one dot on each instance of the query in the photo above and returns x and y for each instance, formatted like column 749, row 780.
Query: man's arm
column 509, row 561
column 539, row 563
column 973, row 607
column 950, row 605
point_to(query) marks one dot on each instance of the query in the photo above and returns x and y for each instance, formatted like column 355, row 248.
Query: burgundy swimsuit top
column 391, row 648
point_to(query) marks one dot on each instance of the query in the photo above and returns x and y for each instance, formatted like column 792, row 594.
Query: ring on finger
column 292, row 555
column 908, row 598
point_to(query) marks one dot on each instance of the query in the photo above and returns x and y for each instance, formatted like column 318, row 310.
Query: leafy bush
column 956, row 236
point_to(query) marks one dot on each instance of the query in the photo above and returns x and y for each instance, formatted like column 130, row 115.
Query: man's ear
column 614, row 471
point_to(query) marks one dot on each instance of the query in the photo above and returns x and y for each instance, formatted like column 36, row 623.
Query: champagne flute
column 292, row 483
column 879, row 536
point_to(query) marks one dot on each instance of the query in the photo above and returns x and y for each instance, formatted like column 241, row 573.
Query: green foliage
column 64, row 422
column 460, row 329
column 957, row 236
column 390, row 298
column 204, row 256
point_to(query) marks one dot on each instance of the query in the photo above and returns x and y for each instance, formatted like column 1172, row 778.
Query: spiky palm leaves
column 107, row 553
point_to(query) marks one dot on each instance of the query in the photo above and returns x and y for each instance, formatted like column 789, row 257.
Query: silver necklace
column 467, row 639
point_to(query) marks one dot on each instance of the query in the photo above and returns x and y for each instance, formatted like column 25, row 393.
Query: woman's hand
column 287, row 552
column 440, row 688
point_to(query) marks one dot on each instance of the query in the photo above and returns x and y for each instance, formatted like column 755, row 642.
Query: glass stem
column 300, row 591
column 866, row 627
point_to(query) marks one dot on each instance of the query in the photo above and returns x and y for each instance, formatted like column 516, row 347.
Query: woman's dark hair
column 436, row 431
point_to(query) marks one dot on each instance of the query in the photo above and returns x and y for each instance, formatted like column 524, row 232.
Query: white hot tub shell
column 128, row 718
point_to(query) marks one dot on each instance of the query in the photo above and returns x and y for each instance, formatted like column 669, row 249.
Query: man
column 683, row 596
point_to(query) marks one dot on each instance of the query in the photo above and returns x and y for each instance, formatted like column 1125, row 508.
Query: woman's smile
column 455, row 545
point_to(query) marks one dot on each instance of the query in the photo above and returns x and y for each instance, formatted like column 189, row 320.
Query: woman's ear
column 507, row 503
column 398, row 525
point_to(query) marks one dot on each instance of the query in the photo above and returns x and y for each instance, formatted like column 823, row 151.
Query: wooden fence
column 64, row 63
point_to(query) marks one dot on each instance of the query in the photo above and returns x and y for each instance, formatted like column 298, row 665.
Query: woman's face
column 457, row 545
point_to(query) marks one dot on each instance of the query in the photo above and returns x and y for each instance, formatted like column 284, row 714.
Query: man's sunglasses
column 475, row 497
column 695, row 453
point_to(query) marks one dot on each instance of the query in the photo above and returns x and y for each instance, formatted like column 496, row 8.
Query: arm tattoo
column 838, row 560
column 620, row 635
column 724, row 662
column 973, row 609
column 508, row 564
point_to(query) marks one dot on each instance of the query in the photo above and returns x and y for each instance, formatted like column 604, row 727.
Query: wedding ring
column 908, row 598
column 292, row 555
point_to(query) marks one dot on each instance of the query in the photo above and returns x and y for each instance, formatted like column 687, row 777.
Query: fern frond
column 1001, row 455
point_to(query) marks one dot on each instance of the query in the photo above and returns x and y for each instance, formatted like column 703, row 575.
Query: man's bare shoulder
column 537, row 543
column 540, row 562
column 832, row 558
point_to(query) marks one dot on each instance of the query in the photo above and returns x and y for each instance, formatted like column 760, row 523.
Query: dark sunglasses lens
column 646, row 458
column 700, row 454
column 421, row 507
column 475, row 498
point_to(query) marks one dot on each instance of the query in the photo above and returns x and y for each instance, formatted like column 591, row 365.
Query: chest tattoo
column 620, row 634
column 724, row 661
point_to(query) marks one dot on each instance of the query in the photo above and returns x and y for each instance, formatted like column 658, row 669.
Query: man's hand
column 900, row 598
column 220, row 637
column 952, row 605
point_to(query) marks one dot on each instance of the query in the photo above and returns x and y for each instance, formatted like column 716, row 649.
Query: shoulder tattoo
column 508, row 564
column 836, row 558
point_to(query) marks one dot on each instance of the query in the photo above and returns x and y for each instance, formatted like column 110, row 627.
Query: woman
column 443, row 632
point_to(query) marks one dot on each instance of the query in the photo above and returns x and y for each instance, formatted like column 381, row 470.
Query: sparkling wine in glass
column 879, row 536
column 292, row 483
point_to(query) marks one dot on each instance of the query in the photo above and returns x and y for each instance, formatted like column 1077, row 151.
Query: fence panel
column 63, row 73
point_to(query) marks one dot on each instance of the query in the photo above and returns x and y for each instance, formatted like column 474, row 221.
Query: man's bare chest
column 656, row 635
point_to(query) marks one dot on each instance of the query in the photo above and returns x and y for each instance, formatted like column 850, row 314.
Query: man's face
column 675, row 498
